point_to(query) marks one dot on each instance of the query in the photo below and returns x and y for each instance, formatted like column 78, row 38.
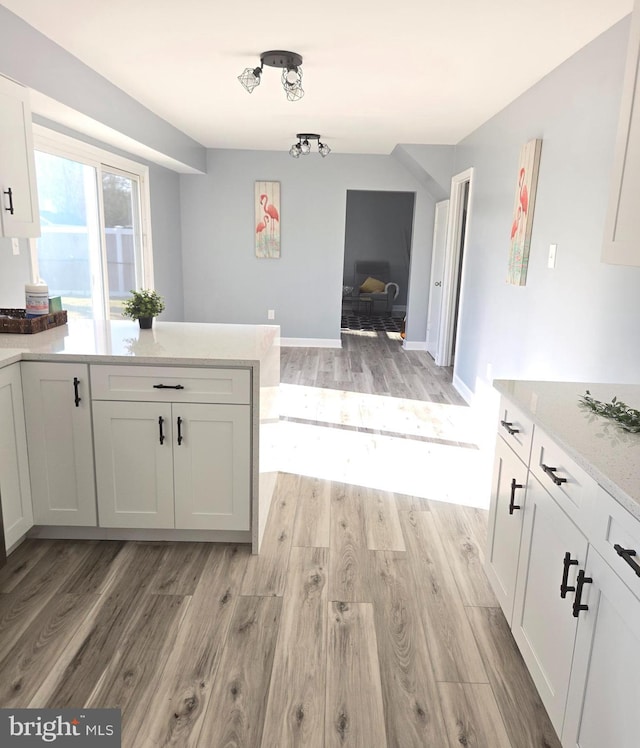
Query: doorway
column 452, row 289
column 378, row 233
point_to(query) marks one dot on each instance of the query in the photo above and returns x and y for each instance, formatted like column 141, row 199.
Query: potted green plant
column 143, row 305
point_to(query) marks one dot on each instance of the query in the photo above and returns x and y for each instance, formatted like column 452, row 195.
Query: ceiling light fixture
column 291, row 64
column 303, row 147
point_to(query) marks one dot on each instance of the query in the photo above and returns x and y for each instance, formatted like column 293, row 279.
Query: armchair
column 382, row 294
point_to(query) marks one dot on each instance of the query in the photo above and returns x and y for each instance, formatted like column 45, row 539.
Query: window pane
column 67, row 247
column 122, row 229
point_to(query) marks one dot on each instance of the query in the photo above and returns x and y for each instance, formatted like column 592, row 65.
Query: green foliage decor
column 143, row 303
column 628, row 418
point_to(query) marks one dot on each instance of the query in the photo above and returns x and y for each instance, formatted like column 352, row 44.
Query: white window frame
column 57, row 144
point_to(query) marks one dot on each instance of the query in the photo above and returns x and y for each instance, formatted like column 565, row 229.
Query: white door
column 543, row 623
column 212, row 466
column 437, row 274
column 509, row 488
column 134, row 464
column 15, row 493
column 58, row 415
column 602, row 709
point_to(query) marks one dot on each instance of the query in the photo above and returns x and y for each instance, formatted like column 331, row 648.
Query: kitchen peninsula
column 118, row 432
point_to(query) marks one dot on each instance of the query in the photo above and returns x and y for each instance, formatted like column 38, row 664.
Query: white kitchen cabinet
column 58, row 417
column 165, row 465
column 508, row 498
column 19, row 196
column 602, row 708
column 15, row 493
column 622, row 225
column 552, row 551
column 134, row 464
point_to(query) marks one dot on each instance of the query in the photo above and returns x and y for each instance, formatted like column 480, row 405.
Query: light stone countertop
column 599, row 445
column 184, row 343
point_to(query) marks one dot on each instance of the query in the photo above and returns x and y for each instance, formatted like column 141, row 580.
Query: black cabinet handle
column 567, row 564
column 9, row 192
column 76, row 396
column 160, row 422
column 626, row 554
column 513, row 505
column 508, row 425
column 179, row 431
column 551, row 472
column 168, row 387
column 577, row 601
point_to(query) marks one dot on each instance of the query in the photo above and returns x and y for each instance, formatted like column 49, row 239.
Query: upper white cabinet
column 18, row 193
column 15, row 493
column 57, row 406
column 622, row 228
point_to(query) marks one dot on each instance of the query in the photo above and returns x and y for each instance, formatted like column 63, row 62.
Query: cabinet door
column 505, row 524
column 134, row 464
column 622, row 226
column 543, row 623
column 19, row 198
column 212, row 466
column 602, row 708
column 60, row 443
column 15, row 493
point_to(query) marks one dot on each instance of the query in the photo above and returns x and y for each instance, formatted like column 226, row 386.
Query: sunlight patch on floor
column 417, row 454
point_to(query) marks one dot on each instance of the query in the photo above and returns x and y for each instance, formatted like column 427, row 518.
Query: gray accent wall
column 225, row 282
column 580, row 321
column 379, row 226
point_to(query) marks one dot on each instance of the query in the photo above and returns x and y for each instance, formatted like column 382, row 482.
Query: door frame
column 435, row 278
column 452, row 268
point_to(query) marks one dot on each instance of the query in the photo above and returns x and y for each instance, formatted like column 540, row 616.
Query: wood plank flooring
column 366, row 621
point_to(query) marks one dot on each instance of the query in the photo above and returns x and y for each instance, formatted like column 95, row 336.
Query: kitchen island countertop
column 599, row 445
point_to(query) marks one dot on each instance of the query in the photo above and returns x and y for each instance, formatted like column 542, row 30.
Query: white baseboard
column 310, row 343
column 462, row 389
column 414, row 345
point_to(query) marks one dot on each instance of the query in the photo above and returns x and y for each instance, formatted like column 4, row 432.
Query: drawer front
column 516, row 429
column 566, row 481
column 616, row 537
column 171, row 384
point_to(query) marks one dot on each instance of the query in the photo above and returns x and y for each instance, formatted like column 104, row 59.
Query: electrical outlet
column 271, row 313
column 15, row 246
column 551, row 263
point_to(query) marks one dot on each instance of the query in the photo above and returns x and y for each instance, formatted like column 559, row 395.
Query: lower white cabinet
column 166, row 465
column 552, row 552
column 57, row 407
column 508, row 495
column 603, row 705
column 15, row 493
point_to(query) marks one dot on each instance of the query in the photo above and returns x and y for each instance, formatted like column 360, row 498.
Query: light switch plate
column 15, row 246
column 552, row 256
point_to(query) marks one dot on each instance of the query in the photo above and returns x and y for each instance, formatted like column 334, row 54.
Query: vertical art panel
column 267, row 224
column 523, row 212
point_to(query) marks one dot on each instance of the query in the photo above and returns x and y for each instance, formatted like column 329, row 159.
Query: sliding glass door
column 91, row 251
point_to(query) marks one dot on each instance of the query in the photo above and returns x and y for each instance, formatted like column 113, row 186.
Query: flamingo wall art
column 267, row 220
column 523, row 212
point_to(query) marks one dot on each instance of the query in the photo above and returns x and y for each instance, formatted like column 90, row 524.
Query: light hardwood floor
column 366, row 621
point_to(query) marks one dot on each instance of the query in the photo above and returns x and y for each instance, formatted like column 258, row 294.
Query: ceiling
column 409, row 71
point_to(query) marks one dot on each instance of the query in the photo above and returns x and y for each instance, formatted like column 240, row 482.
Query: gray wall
column 225, row 282
column 379, row 226
column 580, row 321
column 15, row 271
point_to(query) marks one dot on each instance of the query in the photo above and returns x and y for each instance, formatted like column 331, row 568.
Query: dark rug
column 365, row 322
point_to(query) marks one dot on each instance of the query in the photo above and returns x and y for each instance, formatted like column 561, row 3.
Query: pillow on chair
column 371, row 285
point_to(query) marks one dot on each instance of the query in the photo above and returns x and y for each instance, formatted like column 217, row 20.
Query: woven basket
column 17, row 322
